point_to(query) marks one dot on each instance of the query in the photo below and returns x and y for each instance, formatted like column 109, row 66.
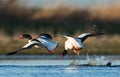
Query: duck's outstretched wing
column 14, row 52
column 29, row 45
column 48, row 43
column 46, row 40
column 84, row 36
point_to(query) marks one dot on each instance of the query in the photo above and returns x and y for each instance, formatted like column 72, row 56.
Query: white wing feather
column 48, row 43
column 83, row 35
column 30, row 43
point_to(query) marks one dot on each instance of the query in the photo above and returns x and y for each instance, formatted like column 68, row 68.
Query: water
column 58, row 71
column 39, row 67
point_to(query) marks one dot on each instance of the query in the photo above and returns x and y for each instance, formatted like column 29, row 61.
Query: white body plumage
column 76, row 44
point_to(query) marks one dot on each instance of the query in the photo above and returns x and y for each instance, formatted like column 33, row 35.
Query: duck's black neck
column 29, row 37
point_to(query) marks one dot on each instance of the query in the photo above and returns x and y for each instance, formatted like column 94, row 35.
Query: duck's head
column 28, row 36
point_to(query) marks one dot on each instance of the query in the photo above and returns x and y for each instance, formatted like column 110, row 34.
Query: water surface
column 55, row 66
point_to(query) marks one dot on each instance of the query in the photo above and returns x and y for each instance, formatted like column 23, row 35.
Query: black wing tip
column 98, row 33
column 12, row 53
column 46, row 34
column 8, row 54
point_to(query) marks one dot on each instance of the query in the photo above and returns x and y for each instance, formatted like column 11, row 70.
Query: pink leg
column 78, row 53
column 75, row 51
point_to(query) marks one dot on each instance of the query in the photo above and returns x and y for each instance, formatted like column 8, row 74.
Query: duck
column 43, row 41
column 76, row 44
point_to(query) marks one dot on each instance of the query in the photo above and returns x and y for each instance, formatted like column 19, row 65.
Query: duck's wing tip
column 11, row 53
column 97, row 34
column 14, row 52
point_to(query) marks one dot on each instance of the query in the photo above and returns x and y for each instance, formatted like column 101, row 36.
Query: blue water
column 57, row 66
column 59, row 71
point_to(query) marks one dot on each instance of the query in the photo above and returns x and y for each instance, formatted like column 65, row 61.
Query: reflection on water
column 71, row 69
column 58, row 60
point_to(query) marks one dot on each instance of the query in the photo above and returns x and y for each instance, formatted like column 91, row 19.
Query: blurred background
column 72, row 17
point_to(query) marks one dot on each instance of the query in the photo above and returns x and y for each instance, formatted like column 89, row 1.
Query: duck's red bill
column 21, row 37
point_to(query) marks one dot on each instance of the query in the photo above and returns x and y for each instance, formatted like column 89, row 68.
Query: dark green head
column 28, row 36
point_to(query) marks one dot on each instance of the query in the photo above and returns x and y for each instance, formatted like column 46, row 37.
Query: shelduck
column 43, row 41
column 76, row 44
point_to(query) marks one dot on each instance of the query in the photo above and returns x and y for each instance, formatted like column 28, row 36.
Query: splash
column 98, row 61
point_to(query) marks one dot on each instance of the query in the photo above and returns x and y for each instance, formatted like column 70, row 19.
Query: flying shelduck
column 43, row 41
column 76, row 44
